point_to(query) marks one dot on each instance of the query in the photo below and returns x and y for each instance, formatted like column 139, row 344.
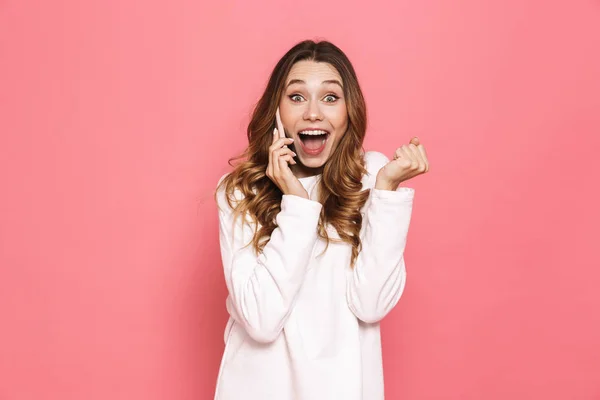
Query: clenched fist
column 409, row 161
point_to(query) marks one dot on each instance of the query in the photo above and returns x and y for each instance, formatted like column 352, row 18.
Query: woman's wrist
column 384, row 185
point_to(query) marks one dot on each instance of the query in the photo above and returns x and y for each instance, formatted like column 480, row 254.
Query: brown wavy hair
column 340, row 188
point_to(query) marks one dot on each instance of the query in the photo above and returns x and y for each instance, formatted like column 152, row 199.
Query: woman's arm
column 262, row 289
column 377, row 280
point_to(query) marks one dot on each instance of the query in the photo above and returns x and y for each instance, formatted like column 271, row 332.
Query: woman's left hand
column 409, row 161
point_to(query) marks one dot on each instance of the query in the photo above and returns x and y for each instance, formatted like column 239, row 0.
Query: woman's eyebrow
column 300, row 81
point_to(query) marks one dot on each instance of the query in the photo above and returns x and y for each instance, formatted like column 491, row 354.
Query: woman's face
column 313, row 112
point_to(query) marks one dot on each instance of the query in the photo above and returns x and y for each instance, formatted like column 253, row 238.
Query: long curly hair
column 340, row 190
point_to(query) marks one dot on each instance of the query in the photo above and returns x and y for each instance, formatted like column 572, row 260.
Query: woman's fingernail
column 275, row 131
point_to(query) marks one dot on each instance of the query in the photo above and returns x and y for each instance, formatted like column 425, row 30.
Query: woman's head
column 315, row 87
column 313, row 112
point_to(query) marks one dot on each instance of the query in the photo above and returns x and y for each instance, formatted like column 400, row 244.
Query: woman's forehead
column 311, row 72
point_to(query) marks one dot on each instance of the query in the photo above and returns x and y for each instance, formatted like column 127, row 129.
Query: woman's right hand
column 278, row 169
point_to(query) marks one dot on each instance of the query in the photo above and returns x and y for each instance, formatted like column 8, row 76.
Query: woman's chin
column 314, row 162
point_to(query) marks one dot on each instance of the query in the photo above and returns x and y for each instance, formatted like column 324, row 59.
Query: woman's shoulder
column 374, row 161
column 218, row 185
column 221, row 194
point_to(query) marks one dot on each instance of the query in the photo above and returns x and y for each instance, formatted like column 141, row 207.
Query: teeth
column 313, row 133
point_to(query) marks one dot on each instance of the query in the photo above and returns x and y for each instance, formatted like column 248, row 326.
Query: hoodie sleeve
column 377, row 280
column 262, row 289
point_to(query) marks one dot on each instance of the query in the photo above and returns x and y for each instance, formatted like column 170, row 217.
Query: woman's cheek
column 338, row 116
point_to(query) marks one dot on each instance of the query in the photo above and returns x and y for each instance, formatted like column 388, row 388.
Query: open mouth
column 313, row 141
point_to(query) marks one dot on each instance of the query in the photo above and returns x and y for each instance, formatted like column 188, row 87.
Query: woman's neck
column 302, row 171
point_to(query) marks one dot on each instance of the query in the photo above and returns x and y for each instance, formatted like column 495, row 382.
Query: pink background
column 117, row 119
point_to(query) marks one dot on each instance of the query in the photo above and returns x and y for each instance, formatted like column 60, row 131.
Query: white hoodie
column 305, row 326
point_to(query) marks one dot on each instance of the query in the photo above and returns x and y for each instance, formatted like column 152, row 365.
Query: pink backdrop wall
column 117, row 119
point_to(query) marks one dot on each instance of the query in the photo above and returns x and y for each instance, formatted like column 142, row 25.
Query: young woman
column 312, row 233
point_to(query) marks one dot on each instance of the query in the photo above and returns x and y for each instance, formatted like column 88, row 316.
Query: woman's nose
column 313, row 112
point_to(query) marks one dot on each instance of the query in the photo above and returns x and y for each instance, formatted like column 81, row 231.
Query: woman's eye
column 330, row 98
